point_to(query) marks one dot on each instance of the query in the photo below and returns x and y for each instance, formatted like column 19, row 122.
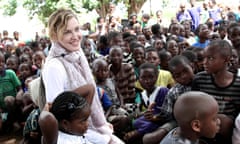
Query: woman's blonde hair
column 57, row 22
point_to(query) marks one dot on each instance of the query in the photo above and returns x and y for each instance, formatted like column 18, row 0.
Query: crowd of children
column 182, row 83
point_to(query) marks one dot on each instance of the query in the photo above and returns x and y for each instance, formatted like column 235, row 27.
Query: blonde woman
column 67, row 69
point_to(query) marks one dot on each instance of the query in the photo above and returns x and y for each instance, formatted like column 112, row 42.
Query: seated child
column 182, row 71
column 152, row 98
column 71, row 112
column 196, row 115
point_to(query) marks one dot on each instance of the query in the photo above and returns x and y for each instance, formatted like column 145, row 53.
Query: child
column 164, row 77
column 234, row 63
column 9, row 86
column 38, row 60
column 101, row 73
column 200, row 59
column 71, row 112
column 173, row 48
column 25, row 70
column 165, row 57
column 203, row 33
column 196, row 115
column 159, row 45
column 221, row 84
column 236, row 131
column 122, row 74
column 138, row 54
column 152, row 98
column 12, row 63
column 182, row 72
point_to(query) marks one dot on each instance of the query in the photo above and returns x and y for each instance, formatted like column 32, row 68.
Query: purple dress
column 142, row 125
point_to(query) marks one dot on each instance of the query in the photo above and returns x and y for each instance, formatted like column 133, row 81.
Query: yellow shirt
column 164, row 79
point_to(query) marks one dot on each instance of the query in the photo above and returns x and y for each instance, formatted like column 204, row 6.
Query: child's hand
column 34, row 135
column 149, row 113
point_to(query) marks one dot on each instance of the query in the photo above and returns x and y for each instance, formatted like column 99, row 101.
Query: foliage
column 43, row 8
column 9, row 7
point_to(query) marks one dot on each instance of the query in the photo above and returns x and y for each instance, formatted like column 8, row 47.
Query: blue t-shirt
column 201, row 45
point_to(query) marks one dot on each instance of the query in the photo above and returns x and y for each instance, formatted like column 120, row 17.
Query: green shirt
column 8, row 85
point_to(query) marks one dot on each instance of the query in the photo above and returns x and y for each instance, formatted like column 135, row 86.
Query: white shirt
column 236, row 131
column 64, row 138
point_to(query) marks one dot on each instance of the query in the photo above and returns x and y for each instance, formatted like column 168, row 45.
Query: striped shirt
column 228, row 97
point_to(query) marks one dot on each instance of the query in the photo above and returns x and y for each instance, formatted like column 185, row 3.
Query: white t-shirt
column 55, row 79
column 64, row 138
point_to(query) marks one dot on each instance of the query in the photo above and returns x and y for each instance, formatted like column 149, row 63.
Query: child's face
column 158, row 44
column 234, row 59
column 138, row 55
column 141, row 39
column 214, row 61
column 234, row 36
column 200, row 61
column 37, row 60
column 79, row 125
column 152, row 57
column 24, row 70
column 164, row 62
column 204, row 31
column 183, row 73
column 101, row 71
column 173, row 48
column 175, row 29
column 147, row 78
column 25, row 59
column 116, row 56
column 12, row 64
column 210, row 124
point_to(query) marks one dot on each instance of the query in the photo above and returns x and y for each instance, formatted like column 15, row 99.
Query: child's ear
column 196, row 125
column 64, row 124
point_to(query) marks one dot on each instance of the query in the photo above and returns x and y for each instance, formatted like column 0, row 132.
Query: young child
column 71, row 111
column 165, row 57
column 122, row 74
column 223, row 85
column 234, row 63
column 164, row 77
column 101, row 73
column 173, row 48
column 38, row 60
column 182, row 71
column 12, row 63
column 10, row 85
column 151, row 99
column 25, row 70
column 200, row 118
column 200, row 59
column 203, row 33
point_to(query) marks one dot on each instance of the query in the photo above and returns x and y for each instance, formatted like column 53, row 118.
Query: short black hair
column 177, row 60
column 221, row 46
column 136, row 44
column 66, row 104
column 232, row 26
column 155, row 28
column 112, row 35
column 190, row 55
column 148, row 65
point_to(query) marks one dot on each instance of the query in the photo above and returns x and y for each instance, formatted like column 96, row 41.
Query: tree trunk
column 102, row 10
column 135, row 6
